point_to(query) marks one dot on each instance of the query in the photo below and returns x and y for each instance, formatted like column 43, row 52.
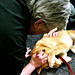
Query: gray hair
column 55, row 13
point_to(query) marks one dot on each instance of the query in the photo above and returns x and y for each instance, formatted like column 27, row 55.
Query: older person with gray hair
column 21, row 17
column 54, row 13
column 51, row 14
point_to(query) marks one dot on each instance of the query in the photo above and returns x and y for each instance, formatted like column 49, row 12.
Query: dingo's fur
column 53, row 46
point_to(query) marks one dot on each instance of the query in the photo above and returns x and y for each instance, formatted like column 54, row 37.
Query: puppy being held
column 54, row 46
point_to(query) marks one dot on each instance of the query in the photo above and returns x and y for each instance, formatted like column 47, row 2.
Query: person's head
column 48, row 14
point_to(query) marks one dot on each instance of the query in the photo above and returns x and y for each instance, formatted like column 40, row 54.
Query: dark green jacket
column 14, row 26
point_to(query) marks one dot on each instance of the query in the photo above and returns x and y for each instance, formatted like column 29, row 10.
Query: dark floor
column 62, row 70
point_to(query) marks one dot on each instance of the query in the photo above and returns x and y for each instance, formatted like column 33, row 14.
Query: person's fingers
column 28, row 48
column 44, row 56
column 27, row 53
column 26, row 56
column 45, row 62
column 52, row 31
column 45, row 59
column 55, row 34
column 40, row 55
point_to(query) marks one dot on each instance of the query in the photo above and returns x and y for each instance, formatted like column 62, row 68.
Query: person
column 21, row 17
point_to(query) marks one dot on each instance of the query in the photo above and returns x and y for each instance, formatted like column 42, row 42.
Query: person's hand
column 52, row 32
column 27, row 53
column 38, row 59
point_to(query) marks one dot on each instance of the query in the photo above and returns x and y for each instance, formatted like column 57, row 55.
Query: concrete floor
column 62, row 70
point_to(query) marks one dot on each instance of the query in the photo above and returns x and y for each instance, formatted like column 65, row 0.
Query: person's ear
column 37, row 23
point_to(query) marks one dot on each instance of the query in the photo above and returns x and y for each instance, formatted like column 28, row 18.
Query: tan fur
column 53, row 46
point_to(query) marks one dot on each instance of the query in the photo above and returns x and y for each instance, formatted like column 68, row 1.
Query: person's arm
column 36, row 61
column 28, row 69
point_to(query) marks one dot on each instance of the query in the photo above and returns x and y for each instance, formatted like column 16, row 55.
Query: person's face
column 38, row 28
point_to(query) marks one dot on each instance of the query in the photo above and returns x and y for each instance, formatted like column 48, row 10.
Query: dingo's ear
column 51, row 60
column 39, row 70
